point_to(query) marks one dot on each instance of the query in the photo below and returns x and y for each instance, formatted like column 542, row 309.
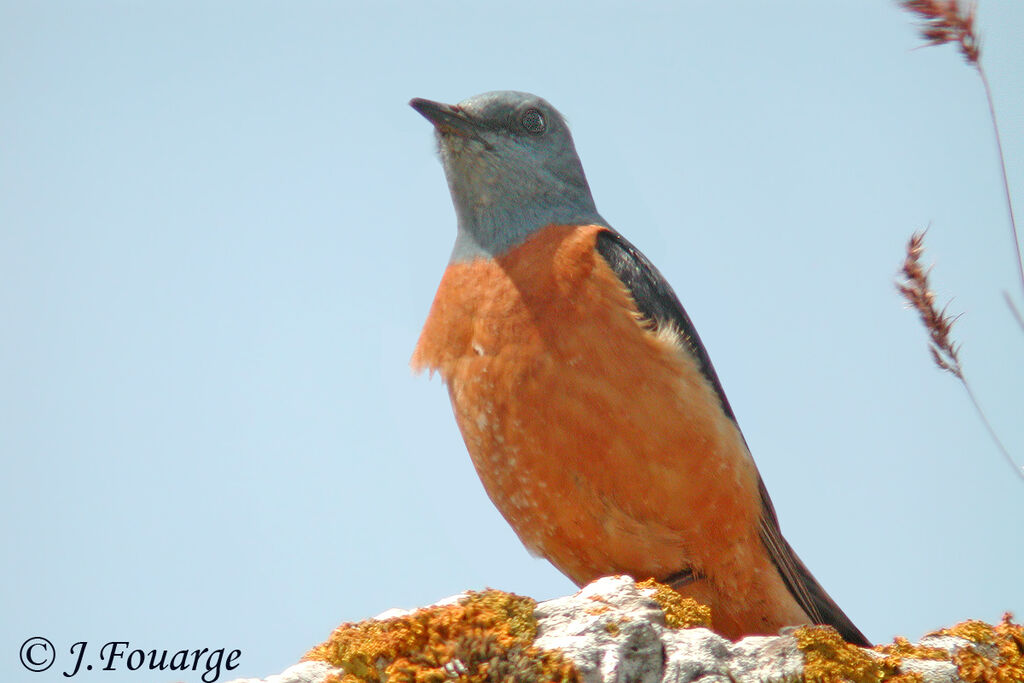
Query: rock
column 303, row 672
column 629, row 641
column 618, row 631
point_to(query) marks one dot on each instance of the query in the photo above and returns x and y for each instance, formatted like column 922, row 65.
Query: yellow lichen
column 1007, row 638
column 972, row 629
column 830, row 659
column 680, row 612
column 902, row 648
column 486, row 637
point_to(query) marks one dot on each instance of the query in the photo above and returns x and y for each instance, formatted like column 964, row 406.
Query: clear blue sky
column 221, row 229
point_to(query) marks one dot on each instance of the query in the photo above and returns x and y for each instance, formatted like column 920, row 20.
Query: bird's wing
column 804, row 587
column 656, row 301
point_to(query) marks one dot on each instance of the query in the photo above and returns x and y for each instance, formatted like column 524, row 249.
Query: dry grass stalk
column 949, row 21
column 945, row 21
column 916, row 289
column 1013, row 310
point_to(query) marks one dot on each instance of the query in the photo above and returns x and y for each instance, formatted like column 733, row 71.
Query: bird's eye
column 533, row 122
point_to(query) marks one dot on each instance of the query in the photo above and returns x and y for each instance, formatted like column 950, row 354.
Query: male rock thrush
column 588, row 404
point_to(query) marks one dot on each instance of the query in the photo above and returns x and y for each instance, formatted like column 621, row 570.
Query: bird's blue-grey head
column 512, row 169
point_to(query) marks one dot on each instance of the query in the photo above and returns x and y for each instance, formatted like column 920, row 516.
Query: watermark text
column 39, row 654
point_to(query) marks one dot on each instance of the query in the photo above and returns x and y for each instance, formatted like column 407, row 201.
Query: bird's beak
column 447, row 118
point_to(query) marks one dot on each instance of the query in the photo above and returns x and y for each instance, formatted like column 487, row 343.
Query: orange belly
column 600, row 441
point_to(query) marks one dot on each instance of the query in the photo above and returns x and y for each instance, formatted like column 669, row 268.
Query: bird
column 587, row 402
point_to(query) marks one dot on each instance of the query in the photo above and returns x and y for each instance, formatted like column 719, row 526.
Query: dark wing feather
column 657, row 302
column 809, row 594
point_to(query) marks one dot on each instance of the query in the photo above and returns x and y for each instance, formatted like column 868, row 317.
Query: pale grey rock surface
column 303, row 672
column 615, row 632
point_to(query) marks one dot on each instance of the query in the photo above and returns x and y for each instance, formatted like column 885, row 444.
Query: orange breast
column 600, row 441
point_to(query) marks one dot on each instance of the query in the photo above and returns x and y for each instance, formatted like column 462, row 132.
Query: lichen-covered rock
column 618, row 631
column 615, row 631
column 485, row 637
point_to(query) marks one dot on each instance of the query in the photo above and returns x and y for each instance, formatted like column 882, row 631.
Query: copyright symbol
column 37, row 654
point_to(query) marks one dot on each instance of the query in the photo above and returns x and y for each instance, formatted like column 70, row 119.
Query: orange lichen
column 977, row 665
column 972, row 630
column 999, row 657
column 680, row 612
column 487, row 637
column 902, row 648
column 830, row 659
